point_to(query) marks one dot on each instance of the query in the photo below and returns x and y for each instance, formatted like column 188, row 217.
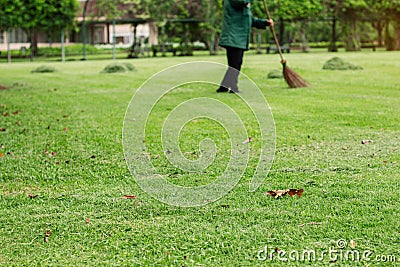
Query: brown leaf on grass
column 32, row 196
column 48, row 233
column 366, row 142
column 65, row 129
column 16, row 112
column 128, row 197
column 6, row 114
column 352, row 244
column 248, row 140
column 87, row 220
column 282, row 193
column 277, row 193
column 293, row 192
column 1, row 155
column 52, row 154
column 2, row 129
column 45, row 239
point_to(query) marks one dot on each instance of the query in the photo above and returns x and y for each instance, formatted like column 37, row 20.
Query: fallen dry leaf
column 2, row 129
column 1, row 155
column 65, row 129
column 6, row 114
column 32, row 196
column 366, row 142
column 352, row 244
column 128, row 197
column 87, row 220
column 248, row 140
column 16, row 112
column 48, row 233
column 281, row 193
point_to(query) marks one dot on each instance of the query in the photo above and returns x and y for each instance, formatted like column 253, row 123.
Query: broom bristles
column 293, row 79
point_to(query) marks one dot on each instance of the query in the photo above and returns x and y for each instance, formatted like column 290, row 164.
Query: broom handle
column 273, row 32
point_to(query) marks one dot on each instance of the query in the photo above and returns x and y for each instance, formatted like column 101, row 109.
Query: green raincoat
column 237, row 23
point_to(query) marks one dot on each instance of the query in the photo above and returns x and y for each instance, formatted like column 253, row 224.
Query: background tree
column 34, row 15
column 375, row 14
column 10, row 18
column 391, row 12
column 294, row 11
column 57, row 15
column 156, row 12
column 350, row 13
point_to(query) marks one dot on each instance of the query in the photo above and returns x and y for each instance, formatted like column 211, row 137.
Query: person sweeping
column 235, row 37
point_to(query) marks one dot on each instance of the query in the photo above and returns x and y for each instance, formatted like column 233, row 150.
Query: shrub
column 337, row 63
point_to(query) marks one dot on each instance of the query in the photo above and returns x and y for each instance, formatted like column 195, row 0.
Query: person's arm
column 261, row 23
column 240, row 3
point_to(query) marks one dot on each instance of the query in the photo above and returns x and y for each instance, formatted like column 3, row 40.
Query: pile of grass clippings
column 275, row 74
column 337, row 63
column 44, row 69
column 118, row 67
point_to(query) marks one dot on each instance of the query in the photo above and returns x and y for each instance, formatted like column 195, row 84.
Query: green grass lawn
column 62, row 168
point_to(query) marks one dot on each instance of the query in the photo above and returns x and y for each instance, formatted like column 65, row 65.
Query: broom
column 293, row 79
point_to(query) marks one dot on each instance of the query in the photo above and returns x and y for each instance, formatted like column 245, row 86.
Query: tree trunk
column 304, row 42
column 352, row 41
column 34, row 44
column 379, row 27
column 8, row 46
column 389, row 40
column 332, row 46
column 281, row 31
column 396, row 35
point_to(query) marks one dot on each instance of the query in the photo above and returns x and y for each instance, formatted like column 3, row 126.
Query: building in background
column 99, row 31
